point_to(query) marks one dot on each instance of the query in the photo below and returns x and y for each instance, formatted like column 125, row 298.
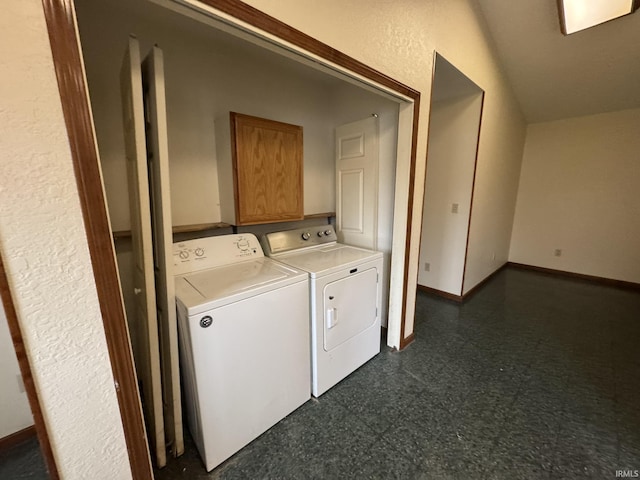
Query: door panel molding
column 348, row 148
column 349, row 214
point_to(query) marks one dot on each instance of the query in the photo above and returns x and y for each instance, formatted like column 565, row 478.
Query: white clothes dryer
column 345, row 299
column 244, row 341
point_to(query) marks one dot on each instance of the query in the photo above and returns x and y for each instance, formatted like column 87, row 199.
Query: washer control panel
column 281, row 242
column 202, row 253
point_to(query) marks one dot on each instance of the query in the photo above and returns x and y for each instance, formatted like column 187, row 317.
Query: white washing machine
column 244, row 341
column 345, row 294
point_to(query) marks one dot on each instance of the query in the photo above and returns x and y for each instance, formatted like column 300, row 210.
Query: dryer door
column 349, row 306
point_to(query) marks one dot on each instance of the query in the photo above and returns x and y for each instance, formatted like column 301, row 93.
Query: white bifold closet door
column 144, row 326
column 158, row 162
column 154, row 328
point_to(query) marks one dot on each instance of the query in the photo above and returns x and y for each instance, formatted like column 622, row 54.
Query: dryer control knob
column 327, row 232
column 306, row 236
column 321, row 233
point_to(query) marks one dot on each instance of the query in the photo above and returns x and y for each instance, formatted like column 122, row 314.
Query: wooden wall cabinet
column 260, row 170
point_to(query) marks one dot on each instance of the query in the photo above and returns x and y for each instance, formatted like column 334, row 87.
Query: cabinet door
column 267, row 160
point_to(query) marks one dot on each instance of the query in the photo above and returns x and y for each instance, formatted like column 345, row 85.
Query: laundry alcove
column 207, row 74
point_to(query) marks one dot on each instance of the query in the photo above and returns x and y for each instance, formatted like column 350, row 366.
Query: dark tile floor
column 23, row 461
column 534, row 377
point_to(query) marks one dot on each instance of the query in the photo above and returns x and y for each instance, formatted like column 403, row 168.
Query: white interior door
column 357, row 157
column 145, row 348
column 158, row 163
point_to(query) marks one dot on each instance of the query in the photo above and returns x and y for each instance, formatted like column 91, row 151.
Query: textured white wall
column 47, row 260
column 451, row 159
column 399, row 39
column 579, row 192
column 15, row 413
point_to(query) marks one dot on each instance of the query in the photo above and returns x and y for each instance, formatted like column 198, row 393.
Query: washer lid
column 323, row 260
column 219, row 286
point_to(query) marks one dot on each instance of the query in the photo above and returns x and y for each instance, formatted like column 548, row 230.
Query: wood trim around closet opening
column 406, row 340
column 25, row 371
column 258, row 19
column 67, row 59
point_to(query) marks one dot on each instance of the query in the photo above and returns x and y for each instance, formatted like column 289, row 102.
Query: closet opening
column 358, row 84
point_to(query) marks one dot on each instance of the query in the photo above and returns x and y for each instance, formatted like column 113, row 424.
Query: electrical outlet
column 20, row 383
column 427, row 267
column 454, row 208
column 493, row 256
column 557, row 252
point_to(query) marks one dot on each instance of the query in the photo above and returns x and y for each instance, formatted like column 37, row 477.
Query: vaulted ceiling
column 556, row 76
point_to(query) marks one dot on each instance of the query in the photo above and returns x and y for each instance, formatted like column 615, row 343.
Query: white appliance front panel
column 350, row 307
column 329, row 367
column 246, row 370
